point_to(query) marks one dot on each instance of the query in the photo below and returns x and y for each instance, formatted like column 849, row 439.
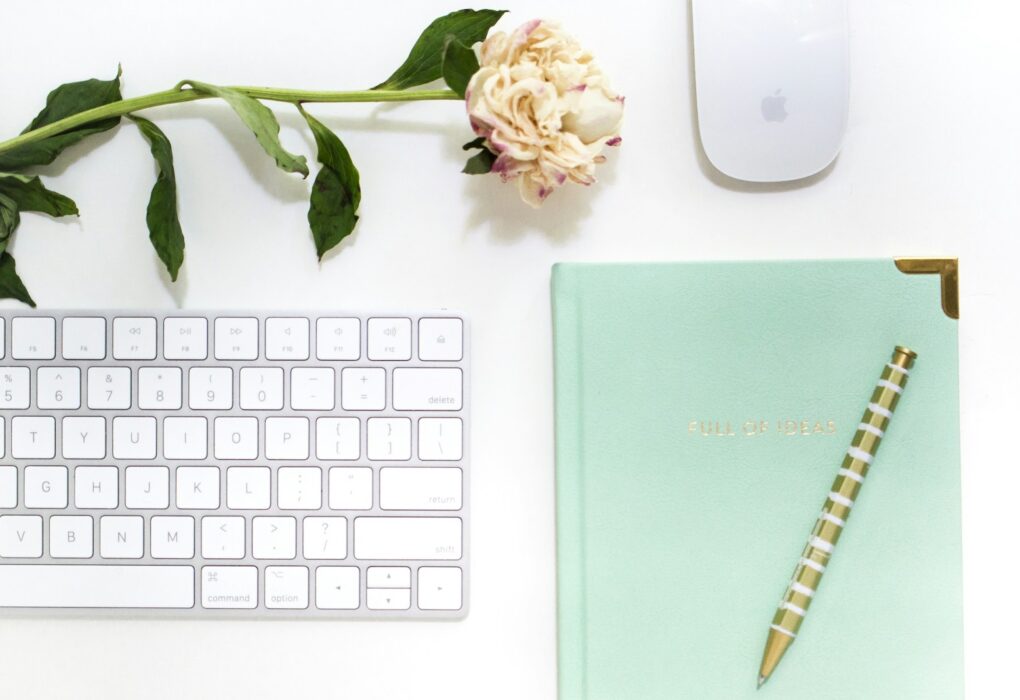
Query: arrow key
column 389, row 598
column 337, row 588
column 389, row 577
column 439, row 588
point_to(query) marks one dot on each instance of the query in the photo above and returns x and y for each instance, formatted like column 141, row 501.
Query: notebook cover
column 702, row 411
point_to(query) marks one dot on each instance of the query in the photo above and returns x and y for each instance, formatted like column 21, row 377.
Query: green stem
column 181, row 93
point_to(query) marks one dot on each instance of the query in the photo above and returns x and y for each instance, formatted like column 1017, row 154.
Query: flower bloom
column 544, row 108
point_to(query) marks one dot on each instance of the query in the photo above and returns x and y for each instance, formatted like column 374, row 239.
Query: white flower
column 544, row 108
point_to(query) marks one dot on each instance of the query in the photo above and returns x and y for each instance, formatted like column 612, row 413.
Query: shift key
column 427, row 388
column 407, row 538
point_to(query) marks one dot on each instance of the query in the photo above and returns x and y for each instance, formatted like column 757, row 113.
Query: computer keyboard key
column 427, row 389
column 20, row 536
column 337, row 438
column 337, row 587
column 172, row 537
column 198, row 488
column 147, row 488
column 440, row 439
column 236, row 438
column 223, row 537
column 388, row 577
column 389, row 339
column 338, row 339
column 185, row 338
column 14, row 387
column 90, row 586
column 440, row 339
column 71, row 537
column 388, row 598
column 58, row 388
column 324, row 538
column 8, row 487
column 312, row 389
column 236, row 339
column 286, row 338
column 83, row 437
column 83, row 338
column 95, row 487
column 108, row 388
column 299, row 488
column 134, row 338
column 440, row 588
column 286, row 587
column 121, row 537
column 185, row 437
column 32, row 437
column 273, row 537
column 420, row 488
column 210, row 388
column 363, row 389
column 248, row 488
column 33, row 338
column 230, row 586
column 407, row 538
column 287, row 438
column 159, row 388
column 134, row 437
column 389, row 439
column 261, row 388
column 46, row 487
column 350, row 488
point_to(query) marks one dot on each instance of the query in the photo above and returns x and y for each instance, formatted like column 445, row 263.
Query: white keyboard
column 234, row 463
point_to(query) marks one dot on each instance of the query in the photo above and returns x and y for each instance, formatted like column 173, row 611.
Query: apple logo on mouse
column 773, row 107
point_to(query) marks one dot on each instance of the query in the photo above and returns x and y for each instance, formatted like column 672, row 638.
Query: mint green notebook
column 702, row 411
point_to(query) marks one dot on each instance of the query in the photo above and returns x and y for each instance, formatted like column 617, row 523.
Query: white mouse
column 772, row 80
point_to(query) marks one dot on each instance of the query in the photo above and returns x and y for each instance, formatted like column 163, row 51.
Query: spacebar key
column 87, row 586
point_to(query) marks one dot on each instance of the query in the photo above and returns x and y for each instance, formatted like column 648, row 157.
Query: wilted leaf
column 459, row 64
column 261, row 120
column 64, row 101
column 425, row 62
column 30, row 195
column 161, row 216
column 11, row 286
column 336, row 192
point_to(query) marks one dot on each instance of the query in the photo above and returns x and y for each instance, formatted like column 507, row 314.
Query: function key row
column 233, row 338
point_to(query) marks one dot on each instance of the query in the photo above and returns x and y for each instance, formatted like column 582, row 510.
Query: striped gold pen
column 836, row 510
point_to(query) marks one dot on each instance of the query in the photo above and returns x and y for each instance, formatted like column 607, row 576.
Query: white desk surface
column 929, row 167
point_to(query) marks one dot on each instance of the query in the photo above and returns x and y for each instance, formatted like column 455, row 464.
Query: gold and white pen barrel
column 836, row 510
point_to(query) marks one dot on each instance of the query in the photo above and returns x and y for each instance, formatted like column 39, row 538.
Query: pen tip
column 761, row 681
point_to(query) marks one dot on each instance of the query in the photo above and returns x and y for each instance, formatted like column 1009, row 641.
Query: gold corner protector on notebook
column 946, row 268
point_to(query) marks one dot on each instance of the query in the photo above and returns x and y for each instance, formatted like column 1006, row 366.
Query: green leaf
column 481, row 162
column 11, row 286
column 425, row 62
column 9, row 219
column 260, row 120
column 459, row 64
column 336, row 192
column 65, row 101
column 161, row 216
column 30, row 195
